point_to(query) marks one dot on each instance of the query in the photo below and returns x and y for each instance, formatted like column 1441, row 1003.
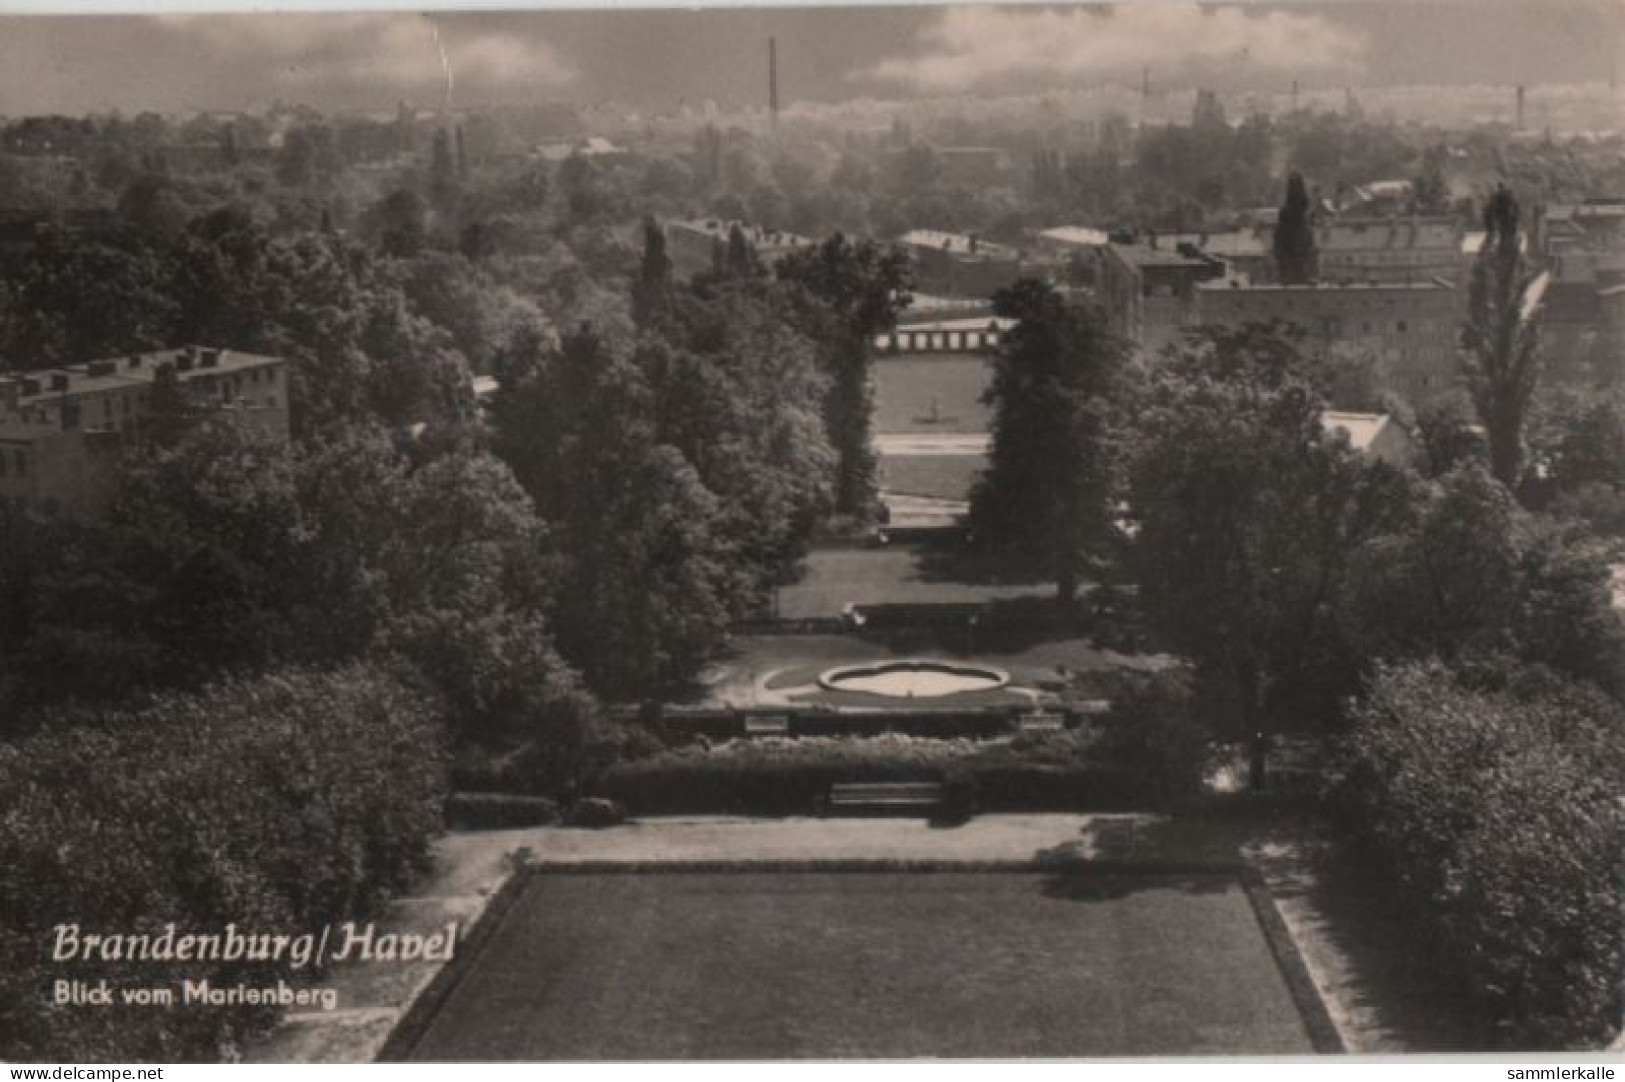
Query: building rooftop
column 1077, row 236
column 721, row 228
column 1163, row 255
column 594, row 146
column 932, row 302
column 1365, row 234
column 1362, row 429
column 974, row 323
column 1237, row 285
column 956, row 244
column 1230, row 243
column 1601, row 207
column 1534, row 294
column 1380, row 188
column 135, row 370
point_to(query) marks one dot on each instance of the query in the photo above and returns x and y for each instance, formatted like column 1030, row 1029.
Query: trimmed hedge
column 1147, row 752
column 279, row 804
column 1493, row 813
column 499, row 811
column 597, row 811
column 788, row 776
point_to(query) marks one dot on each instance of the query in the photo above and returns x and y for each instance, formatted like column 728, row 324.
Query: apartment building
column 61, row 428
column 1410, row 330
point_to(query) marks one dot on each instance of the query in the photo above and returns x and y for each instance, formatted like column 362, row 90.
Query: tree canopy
column 1046, row 499
column 1293, row 244
column 1243, row 515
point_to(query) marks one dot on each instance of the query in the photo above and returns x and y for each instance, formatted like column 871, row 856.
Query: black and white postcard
column 1027, row 531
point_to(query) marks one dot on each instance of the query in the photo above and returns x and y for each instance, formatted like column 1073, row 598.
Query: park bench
column 891, row 797
column 1043, row 721
column 767, row 725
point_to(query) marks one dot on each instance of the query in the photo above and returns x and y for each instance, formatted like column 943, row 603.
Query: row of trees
column 1278, row 560
column 228, row 552
column 646, row 485
column 1282, row 563
column 355, row 346
column 684, row 465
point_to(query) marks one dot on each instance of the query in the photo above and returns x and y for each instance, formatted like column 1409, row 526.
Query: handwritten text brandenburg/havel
column 344, row 942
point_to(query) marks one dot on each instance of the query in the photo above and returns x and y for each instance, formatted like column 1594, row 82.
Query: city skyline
column 661, row 59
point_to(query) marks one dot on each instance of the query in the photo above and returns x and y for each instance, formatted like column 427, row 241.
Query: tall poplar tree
column 652, row 292
column 1500, row 344
column 1296, row 260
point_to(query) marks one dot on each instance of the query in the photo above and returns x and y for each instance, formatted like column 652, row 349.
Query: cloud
column 397, row 51
column 973, row 46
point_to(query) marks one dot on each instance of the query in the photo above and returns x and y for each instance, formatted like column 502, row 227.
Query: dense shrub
column 782, row 776
column 545, row 758
column 958, row 797
column 597, row 811
column 279, row 804
column 1154, row 731
column 499, row 811
column 1493, row 810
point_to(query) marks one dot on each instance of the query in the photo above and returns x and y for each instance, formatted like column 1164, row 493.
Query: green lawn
column 944, row 477
column 899, row 574
column 679, row 965
column 906, row 386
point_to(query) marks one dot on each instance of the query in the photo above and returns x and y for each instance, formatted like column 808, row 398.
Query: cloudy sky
column 655, row 59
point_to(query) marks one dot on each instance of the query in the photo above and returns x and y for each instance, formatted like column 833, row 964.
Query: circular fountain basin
column 913, row 679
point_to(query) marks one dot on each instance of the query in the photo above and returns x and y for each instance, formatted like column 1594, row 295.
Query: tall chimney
column 773, row 80
column 1520, row 106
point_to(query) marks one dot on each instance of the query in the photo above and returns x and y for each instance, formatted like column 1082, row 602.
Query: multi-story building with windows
column 1148, row 289
column 1409, row 249
column 1583, row 319
column 1408, row 330
column 61, row 427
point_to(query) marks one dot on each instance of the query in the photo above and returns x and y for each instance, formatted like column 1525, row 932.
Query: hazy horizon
column 659, row 59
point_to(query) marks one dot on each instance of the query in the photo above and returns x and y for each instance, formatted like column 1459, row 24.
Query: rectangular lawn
column 898, row 574
column 945, row 477
column 906, row 386
column 795, row 964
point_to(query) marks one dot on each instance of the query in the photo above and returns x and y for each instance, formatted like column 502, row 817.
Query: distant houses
column 696, row 244
column 961, row 264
